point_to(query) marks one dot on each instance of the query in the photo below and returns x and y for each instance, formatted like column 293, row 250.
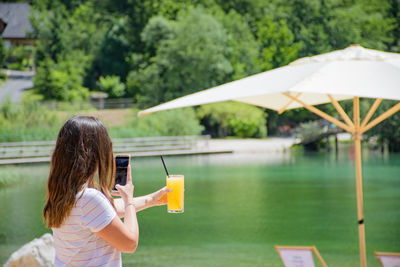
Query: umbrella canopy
column 350, row 73
column 343, row 74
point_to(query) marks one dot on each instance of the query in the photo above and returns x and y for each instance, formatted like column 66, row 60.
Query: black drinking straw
column 165, row 167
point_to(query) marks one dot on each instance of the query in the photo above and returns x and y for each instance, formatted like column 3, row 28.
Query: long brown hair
column 83, row 146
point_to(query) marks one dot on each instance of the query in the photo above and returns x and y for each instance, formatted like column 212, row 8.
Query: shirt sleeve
column 96, row 210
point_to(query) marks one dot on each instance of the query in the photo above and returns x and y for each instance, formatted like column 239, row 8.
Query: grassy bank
column 31, row 121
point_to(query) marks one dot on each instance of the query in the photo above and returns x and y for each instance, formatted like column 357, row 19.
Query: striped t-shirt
column 76, row 242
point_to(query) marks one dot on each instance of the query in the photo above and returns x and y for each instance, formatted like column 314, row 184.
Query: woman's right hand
column 126, row 191
column 123, row 236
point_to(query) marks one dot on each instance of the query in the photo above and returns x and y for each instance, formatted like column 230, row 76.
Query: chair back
column 295, row 256
column 388, row 259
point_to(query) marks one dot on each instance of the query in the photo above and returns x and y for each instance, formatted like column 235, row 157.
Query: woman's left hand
column 159, row 197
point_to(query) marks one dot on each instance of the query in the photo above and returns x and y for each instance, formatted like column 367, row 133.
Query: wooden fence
column 32, row 152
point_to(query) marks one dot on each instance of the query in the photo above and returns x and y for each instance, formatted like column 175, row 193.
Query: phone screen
column 121, row 164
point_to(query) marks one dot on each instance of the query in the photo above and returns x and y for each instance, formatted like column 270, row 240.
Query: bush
column 60, row 81
column 112, row 85
column 178, row 122
column 20, row 57
column 170, row 123
column 233, row 119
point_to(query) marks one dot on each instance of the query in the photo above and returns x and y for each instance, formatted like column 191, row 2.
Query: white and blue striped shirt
column 76, row 242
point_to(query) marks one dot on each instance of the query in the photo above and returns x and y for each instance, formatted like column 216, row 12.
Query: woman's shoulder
column 89, row 194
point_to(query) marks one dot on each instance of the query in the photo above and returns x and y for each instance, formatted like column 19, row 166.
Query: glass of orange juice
column 175, row 198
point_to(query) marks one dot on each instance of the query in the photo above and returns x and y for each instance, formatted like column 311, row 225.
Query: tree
column 65, row 46
column 194, row 59
column 50, row 27
column 156, row 30
column 277, row 43
column 394, row 12
column 242, row 46
column 112, row 86
column 114, row 49
column 60, row 81
column 370, row 25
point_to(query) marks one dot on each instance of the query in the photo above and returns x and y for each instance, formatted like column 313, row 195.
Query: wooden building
column 15, row 27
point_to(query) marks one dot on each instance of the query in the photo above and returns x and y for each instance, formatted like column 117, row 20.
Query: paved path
column 16, row 84
column 273, row 144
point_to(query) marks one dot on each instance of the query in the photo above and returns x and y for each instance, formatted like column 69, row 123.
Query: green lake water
column 237, row 207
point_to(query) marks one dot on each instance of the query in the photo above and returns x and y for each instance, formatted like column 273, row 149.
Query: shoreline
column 272, row 144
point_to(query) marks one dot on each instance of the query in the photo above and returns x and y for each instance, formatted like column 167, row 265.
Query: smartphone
column 121, row 169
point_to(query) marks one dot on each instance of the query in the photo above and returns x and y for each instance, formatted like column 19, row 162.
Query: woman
column 79, row 207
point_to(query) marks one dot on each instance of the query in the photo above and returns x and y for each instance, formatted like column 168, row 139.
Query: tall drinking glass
column 175, row 198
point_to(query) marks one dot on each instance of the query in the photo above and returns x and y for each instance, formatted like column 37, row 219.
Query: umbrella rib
column 342, row 113
column 321, row 114
column 382, row 117
column 371, row 112
column 287, row 104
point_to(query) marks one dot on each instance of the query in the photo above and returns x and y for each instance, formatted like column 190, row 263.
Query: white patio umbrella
column 350, row 73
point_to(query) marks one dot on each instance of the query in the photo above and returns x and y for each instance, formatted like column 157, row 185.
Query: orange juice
column 175, row 198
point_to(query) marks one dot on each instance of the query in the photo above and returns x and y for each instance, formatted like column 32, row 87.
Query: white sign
column 296, row 257
column 389, row 261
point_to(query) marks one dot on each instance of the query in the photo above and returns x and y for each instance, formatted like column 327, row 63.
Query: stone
column 37, row 253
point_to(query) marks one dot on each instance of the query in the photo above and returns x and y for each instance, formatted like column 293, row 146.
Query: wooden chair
column 388, row 259
column 293, row 256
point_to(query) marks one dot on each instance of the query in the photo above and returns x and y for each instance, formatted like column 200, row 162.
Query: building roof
column 16, row 16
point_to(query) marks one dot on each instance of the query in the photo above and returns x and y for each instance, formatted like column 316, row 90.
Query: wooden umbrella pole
column 359, row 188
column 357, row 129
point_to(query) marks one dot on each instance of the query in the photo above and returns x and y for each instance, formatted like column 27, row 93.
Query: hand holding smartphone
column 121, row 169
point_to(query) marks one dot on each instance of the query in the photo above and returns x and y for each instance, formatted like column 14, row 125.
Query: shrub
column 60, row 81
column 20, row 57
column 166, row 123
column 112, row 85
column 233, row 119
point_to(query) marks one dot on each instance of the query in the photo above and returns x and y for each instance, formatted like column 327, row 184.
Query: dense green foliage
column 20, row 57
column 61, row 81
column 165, row 49
column 170, row 48
column 190, row 56
column 233, row 119
column 112, row 86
